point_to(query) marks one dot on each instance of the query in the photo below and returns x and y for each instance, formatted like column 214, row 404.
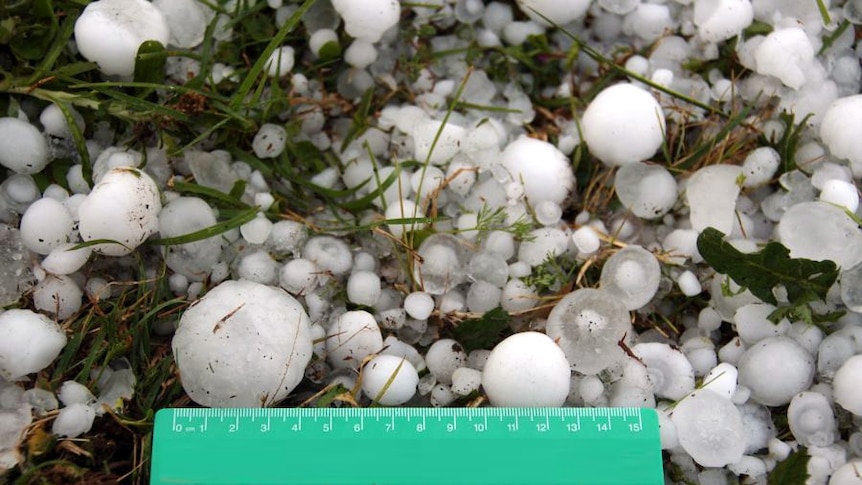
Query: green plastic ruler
column 406, row 446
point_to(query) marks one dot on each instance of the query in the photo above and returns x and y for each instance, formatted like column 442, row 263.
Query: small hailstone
column 329, row 253
column 847, row 392
column 442, row 266
column 649, row 191
column 548, row 212
column 442, row 395
column 483, row 296
column 443, row 357
column 186, row 20
column 353, row 337
column 560, row 13
column 242, row 344
column 711, row 194
column 360, row 54
column 363, row 288
column 98, row 289
column 838, row 129
column 591, row 389
column 760, row 166
column 527, row 369
column 786, row 54
column 840, row 193
column 775, row 369
column 58, row 295
column 448, row 138
column 670, row 373
column 811, row 419
column 820, row 231
column 395, row 374
column 419, row 305
column 109, row 33
column 269, row 141
column 753, row 323
column 280, row 62
column 74, row 420
column 722, row 380
column 517, row 296
column 123, row 207
column 403, row 210
column 29, row 342
column 41, row 400
column 393, row 346
column 466, row 380
column 542, row 244
column 688, row 284
column 55, row 124
column 256, row 231
column 720, row 20
column 23, row 149
column 586, row 240
column 258, row 266
column 71, row 392
column 542, row 171
column 64, row 260
column 709, row 429
column 46, row 225
column 623, row 111
column 368, row 20
column 320, row 38
column 632, row 275
column 287, row 237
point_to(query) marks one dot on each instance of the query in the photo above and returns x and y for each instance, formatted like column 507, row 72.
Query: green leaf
column 792, row 471
column 32, row 40
column 482, row 333
column 805, row 280
column 150, row 62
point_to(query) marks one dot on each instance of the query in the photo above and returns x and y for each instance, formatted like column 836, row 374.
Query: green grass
column 152, row 111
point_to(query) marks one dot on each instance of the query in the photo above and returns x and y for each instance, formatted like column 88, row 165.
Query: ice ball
column 368, row 20
column 649, row 191
column 23, row 149
column 845, row 385
column 711, row 194
column 527, row 370
column 709, row 428
column 840, row 127
column 776, row 369
column 29, row 342
column 389, row 380
column 719, row 20
column 560, row 12
column 353, row 337
column 46, row 225
column 545, row 172
column 820, row 231
column 632, row 275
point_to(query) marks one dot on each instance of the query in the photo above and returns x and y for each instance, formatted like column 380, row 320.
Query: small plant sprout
column 527, row 370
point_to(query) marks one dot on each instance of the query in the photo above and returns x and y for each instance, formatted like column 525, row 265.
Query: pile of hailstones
column 267, row 319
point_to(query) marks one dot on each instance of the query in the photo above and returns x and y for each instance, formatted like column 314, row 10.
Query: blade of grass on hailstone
column 208, row 232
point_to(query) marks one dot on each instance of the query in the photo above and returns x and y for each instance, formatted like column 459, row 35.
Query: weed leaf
column 484, row 332
column 792, row 471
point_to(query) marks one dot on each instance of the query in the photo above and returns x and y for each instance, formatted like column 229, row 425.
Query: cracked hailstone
column 710, row 429
column 242, row 345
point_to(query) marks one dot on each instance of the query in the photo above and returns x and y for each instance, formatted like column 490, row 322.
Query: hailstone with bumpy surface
column 243, row 344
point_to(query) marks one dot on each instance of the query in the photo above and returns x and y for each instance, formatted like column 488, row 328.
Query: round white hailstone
column 72, row 392
column 23, row 149
column 632, row 275
column 404, row 210
column 785, row 54
column 395, row 372
column 556, row 11
column 845, row 385
column 299, row 276
column 242, row 345
column 681, row 244
column 419, row 305
column 623, row 112
column 287, row 237
column 442, row 264
column 269, row 141
column 542, row 244
column 820, row 231
column 649, row 191
column 591, row 389
column 760, row 166
column 393, row 346
column 588, row 325
column 548, row 213
column 848, row 473
column 257, row 230
column 619, row 7
column 124, row 207
column 719, row 20
column 74, row 420
column 320, row 38
column 483, row 296
column 466, row 380
column 186, row 21
column 426, row 181
column 258, row 266
column 109, row 33
column 633, row 389
column 722, row 380
column 688, row 284
column 64, row 259
column 811, row 419
column 443, row 357
column 442, row 395
column 527, row 369
column 363, row 288
column 711, row 194
column 461, row 175
column 360, row 54
column 776, row 369
column 840, row 193
column 58, row 295
column 353, row 337
column 649, row 21
column 586, row 240
column 55, row 124
column 838, row 129
column 517, row 296
column 280, row 62
column 545, row 172
column 449, row 138
column 46, row 225
column 368, row 20
column 710, row 429
column 670, row 373
column 183, row 215
column 29, row 342
column 753, row 324
column 329, row 253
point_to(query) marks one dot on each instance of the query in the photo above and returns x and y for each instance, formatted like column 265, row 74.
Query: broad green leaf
column 805, row 280
column 484, row 332
column 150, row 62
column 792, row 471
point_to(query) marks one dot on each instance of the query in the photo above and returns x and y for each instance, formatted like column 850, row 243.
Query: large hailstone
column 545, row 172
column 242, row 345
column 709, row 428
column 624, row 124
column 588, row 325
column 560, row 12
column 109, row 33
column 711, row 194
column 23, row 149
column 776, row 369
column 123, row 207
column 840, row 128
column 821, row 231
column 29, row 342
column 527, row 370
